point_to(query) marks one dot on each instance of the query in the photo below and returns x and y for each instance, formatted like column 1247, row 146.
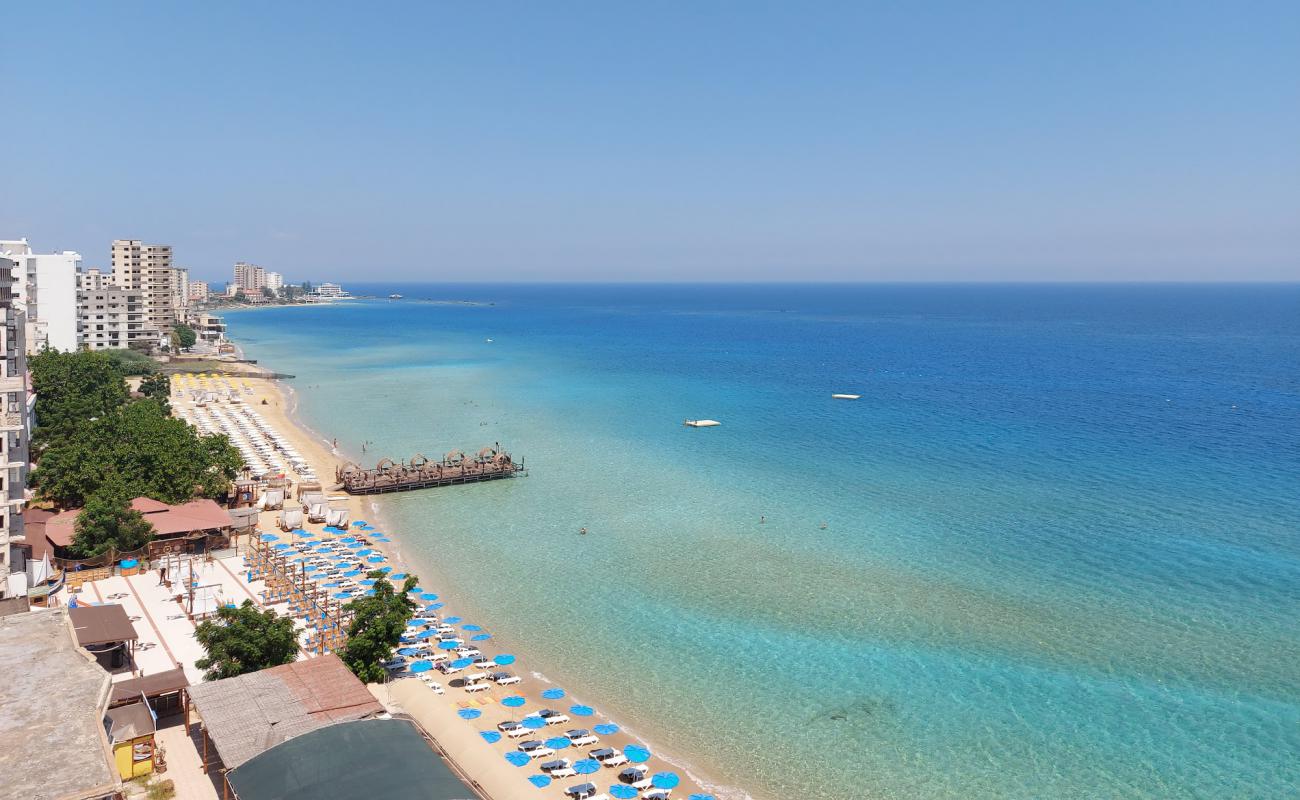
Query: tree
column 109, row 523
column 152, row 454
column 72, row 388
column 245, row 639
column 377, row 624
column 184, row 337
column 156, row 387
column 268, row 292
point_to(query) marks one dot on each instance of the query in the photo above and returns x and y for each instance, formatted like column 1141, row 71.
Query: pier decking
column 420, row 473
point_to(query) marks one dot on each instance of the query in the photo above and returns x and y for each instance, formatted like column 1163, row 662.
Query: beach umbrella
column 366, row 582
column 605, row 729
column 385, row 570
column 558, row 742
column 461, row 663
column 370, row 593
column 665, row 780
column 622, row 791
column 308, row 534
column 420, row 666
column 446, row 645
column 482, row 637
column 269, row 537
column 408, row 651
column 491, row 737
column 581, row 711
column 384, row 539
column 533, row 723
column 352, row 573
column 426, row 634
column 701, row 797
column 280, row 546
column 637, row 753
column 517, row 758
column 332, row 584
column 472, row 627
column 375, row 559
column 401, row 576
column 448, row 620
column 434, row 607
column 348, row 539
column 417, row 622
column 361, row 523
column 342, row 596
column 539, row 780
column 365, row 552
column 587, row 766
column 426, row 595
column 553, row 694
column 504, row 660
column 469, row 713
column 514, row 701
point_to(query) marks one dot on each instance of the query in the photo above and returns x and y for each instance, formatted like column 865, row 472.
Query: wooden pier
column 421, row 473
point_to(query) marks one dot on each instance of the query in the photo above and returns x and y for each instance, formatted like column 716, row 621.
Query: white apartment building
column 198, row 291
column 112, row 318
column 15, row 425
column 181, row 292
column 148, row 267
column 329, row 291
column 250, row 278
column 93, row 278
column 45, row 289
column 274, row 281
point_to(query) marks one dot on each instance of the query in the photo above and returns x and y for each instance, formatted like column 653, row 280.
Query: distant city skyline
column 675, row 142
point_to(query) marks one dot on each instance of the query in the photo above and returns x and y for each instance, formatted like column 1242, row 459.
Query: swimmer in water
column 762, row 520
column 823, row 526
column 582, row 531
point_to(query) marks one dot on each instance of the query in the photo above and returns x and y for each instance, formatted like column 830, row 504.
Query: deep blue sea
column 1061, row 544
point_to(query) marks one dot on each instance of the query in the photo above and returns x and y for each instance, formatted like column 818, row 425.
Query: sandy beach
column 482, row 762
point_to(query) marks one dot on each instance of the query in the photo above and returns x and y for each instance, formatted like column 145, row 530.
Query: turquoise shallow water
column 1061, row 554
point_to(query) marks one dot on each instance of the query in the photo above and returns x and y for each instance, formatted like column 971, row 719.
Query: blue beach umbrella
column 504, row 660
column 376, row 559
column 426, row 634
column 342, row 596
column 416, row 622
column 384, row 539
column 461, row 663
column 472, row 627
column 533, row 723
column 665, row 780
column 482, row 637
column 539, row 780
column 269, row 537
column 433, row 607
column 637, row 753
column 514, row 701
column 280, row 546
column 370, row 593
column 581, row 711
column 361, row 523
column 587, row 766
column 469, row 713
column 420, row 666
column 408, row 651
column 366, row 582
column 605, row 729
column 558, row 742
column 450, row 620
column 428, row 596
column 701, row 797
column 352, row 573
column 348, row 539
column 553, row 694
column 365, row 552
column 332, row 584
column 385, row 570
column 446, row 645
column 401, row 576
column 622, row 791
column 491, row 737
column 517, row 758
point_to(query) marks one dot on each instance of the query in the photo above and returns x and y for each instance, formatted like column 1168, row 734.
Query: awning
column 101, row 625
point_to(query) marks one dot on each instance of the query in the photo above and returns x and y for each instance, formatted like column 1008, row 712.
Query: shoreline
column 283, row 412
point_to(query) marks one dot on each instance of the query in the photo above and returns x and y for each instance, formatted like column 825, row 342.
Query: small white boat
column 845, row 396
column 394, row 297
column 701, row 423
column 489, row 341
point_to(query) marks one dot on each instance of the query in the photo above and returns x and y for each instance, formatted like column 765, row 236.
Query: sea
column 1053, row 551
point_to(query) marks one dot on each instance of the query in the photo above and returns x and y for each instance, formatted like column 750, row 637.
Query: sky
column 673, row 141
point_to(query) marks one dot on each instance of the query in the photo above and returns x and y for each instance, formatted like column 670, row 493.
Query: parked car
column 535, row 749
column 503, row 678
column 581, row 736
column 609, row 757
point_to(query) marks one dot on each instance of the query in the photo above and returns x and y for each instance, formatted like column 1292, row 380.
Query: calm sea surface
column 1061, row 542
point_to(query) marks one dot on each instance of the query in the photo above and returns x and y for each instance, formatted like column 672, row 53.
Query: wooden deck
column 420, row 473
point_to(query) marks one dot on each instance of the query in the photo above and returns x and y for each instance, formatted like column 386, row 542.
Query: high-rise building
column 15, row 420
column 274, row 281
column 93, row 278
column 112, row 318
column 148, row 267
column 45, row 289
column 198, row 291
column 250, row 278
column 181, row 292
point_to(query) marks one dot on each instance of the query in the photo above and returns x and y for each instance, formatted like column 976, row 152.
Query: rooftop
column 101, row 625
column 249, row 714
column 52, row 701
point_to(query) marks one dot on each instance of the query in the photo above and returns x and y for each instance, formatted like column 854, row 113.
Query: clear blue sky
column 662, row 141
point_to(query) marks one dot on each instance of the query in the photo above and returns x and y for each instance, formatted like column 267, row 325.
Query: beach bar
column 491, row 463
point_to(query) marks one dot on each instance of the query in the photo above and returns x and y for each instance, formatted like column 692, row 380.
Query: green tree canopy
column 377, row 624
column 184, row 336
column 157, row 387
column 152, row 453
column 108, row 522
column 244, row 639
column 72, row 388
